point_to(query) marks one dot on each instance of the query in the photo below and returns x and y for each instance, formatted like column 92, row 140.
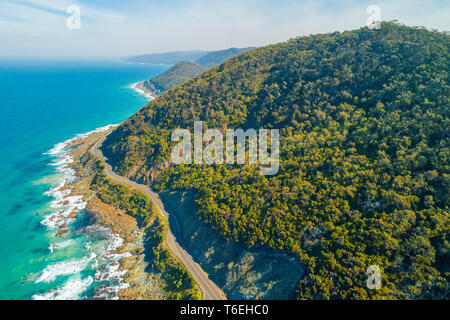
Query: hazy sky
column 113, row 28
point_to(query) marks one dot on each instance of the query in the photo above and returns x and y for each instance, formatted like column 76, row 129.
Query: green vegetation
column 169, row 57
column 185, row 70
column 365, row 156
column 176, row 75
column 179, row 284
column 215, row 58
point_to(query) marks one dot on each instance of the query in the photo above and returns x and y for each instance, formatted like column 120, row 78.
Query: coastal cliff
column 364, row 153
column 184, row 70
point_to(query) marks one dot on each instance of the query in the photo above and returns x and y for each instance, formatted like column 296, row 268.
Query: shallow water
column 42, row 105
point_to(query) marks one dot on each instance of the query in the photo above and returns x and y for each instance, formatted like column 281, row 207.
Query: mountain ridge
column 364, row 177
column 171, row 57
column 185, row 70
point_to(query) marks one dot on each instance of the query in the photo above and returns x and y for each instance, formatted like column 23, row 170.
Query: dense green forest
column 185, row 70
column 178, row 283
column 364, row 157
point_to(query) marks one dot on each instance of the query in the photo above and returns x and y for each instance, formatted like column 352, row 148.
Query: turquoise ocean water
column 43, row 104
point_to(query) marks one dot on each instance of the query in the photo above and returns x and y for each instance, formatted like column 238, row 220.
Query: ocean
column 43, row 105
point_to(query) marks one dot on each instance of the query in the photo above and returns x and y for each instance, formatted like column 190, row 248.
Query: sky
column 117, row 28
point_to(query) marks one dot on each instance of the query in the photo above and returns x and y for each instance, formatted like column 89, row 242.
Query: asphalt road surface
column 209, row 290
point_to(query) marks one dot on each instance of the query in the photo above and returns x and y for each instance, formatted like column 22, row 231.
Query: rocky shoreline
column 241, row 272
column 142, row 284
column 147, row 89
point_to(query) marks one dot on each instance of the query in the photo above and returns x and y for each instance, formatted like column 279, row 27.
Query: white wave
column 71, row 290
column 67, row 204
column 111, row 270
column 107, row 264
column 135, row 86
column 109, row 292
column 65, row 268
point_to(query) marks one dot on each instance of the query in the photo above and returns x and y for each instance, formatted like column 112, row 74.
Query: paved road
column 209, row 289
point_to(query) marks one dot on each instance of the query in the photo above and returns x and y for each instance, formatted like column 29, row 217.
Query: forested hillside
column 364, row 173
column 185, row 70
column 214, row 58
column 168, row 57
column 176, row 75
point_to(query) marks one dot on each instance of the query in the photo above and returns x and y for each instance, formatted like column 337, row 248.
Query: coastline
column 129, row 265
column 178, row 267
column 123, row 267
column 67, row 212
column 142, row 89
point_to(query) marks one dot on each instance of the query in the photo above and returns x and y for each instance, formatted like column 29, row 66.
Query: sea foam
column 135, row 86
column 52, row 271
column 104, row 261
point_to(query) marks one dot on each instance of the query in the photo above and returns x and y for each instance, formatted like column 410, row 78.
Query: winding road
column 209, row 290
